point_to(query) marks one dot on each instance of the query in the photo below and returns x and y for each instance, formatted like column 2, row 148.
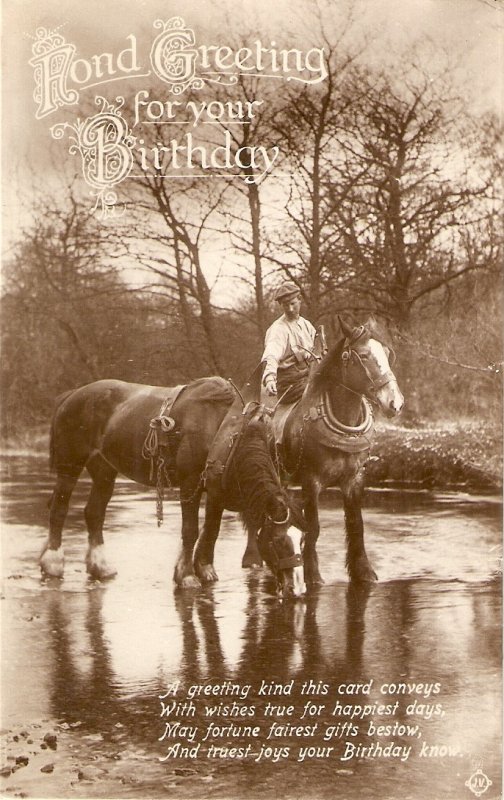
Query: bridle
column 350, row 354
column 278, row 562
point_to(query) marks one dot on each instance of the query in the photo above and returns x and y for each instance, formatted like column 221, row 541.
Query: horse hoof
column 251, row 561
column 313, row 576
column 189, row 582
column 52, row 563
column 97, row 565
column 206, row 573
column 315, row 581
column 102, row 573
column 365, row 576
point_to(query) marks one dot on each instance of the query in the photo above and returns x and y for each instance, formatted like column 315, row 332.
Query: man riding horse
column 288, row 348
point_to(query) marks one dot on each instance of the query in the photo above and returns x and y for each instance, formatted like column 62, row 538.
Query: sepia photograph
column 251, row 399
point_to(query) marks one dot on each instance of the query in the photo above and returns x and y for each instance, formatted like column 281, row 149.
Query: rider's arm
column 275, row 348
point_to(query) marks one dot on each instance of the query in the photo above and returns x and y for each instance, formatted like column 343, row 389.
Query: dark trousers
column 291, row 380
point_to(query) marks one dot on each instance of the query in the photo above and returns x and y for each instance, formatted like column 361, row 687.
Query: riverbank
column 462, row 456
column 458, row 456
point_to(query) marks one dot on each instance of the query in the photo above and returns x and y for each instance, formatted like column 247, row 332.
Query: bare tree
column 58, row 287
column 415, row 198
column 309, row 126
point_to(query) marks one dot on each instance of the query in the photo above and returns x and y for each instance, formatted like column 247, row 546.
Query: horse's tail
column 59, row 400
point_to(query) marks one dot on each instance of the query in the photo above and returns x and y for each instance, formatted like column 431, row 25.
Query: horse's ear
column 371, row 323
column 346, row 329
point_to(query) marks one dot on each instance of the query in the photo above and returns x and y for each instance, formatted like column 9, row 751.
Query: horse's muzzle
column 292, row 584
column 390, row 399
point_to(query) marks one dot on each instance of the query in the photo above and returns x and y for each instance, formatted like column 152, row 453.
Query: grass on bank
column 442, row 455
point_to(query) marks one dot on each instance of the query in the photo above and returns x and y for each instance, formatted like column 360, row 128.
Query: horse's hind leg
column 52, row 559
column 204, row 553
column 103, row 476
column 190, row 496
column 357, row 561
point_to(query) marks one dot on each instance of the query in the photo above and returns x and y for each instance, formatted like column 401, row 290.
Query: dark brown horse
column 327, row 435
column 241, row 476
column 104, row 427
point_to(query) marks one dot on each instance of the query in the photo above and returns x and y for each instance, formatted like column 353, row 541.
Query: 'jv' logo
column 478, row 783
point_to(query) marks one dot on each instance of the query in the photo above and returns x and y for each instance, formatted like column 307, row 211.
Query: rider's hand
column 270, row 384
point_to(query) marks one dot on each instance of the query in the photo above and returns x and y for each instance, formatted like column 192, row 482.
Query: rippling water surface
column 88, row 661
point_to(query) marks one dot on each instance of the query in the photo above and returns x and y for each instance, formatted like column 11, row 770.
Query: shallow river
column 391, row 692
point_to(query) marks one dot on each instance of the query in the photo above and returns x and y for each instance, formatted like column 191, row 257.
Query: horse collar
column 335, row 424
column 331, row 432
column 282, row 521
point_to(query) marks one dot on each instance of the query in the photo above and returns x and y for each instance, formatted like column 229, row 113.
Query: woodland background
column 392, row 208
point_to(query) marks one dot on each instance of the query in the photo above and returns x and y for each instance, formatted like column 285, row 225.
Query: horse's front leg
column 357, row 562
column 251, row 557
column 311, row 491
column 204, row 553
column 190, row 496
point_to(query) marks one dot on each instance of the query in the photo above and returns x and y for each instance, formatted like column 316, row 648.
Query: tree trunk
column 255, row 217
column 207, row 316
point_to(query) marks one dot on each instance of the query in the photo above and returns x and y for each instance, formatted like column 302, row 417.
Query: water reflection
column 100, row 655
column 340, row 635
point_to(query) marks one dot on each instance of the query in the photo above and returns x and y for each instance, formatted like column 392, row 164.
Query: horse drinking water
column 104, row 426
column 240, row 475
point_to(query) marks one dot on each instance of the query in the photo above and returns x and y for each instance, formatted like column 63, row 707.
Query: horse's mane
column 254, row 473
column 324, row 371
column 257, row 480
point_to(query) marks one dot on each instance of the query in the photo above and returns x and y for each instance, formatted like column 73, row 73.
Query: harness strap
column 225, row 443
column 290, row 562
column 346, row 355
column 170, row 401
column 155, row 444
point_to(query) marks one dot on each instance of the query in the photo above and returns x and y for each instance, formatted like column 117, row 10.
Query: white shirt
column 286, row 343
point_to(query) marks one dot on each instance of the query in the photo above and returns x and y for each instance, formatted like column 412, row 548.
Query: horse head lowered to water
column 111, row 427
column 240, row 475
column 325, row 438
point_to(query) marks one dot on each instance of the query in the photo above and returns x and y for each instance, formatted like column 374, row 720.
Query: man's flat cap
column 285, row 291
